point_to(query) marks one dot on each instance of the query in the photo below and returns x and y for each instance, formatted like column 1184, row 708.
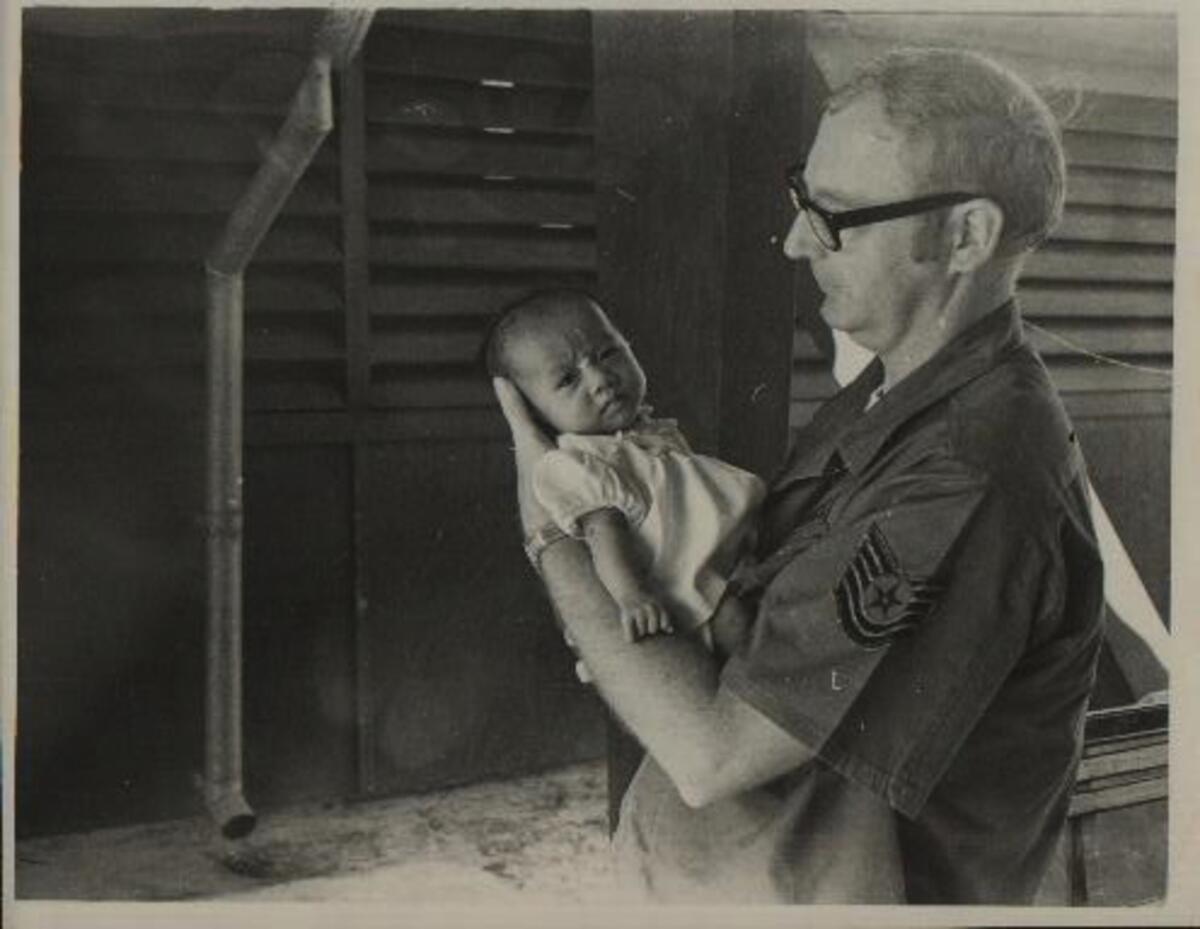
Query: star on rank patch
column 876, row 600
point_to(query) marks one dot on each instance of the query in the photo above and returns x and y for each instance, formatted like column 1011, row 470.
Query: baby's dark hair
column 533, row 307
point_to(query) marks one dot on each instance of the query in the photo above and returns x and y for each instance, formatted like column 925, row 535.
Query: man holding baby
column 902, row 719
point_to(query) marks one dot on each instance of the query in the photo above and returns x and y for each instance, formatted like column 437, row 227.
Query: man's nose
column 800, row 242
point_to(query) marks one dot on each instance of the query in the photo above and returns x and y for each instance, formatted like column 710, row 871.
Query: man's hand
column 642, row 615
column 529, row 444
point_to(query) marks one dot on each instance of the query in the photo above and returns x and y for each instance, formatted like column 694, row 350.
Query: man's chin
column 829, row 312
column 838, row 316
column 849, row 357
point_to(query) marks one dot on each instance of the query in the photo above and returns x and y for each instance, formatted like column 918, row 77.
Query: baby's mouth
column 613, row 407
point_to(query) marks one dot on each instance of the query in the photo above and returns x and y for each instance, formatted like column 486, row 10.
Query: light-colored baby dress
column 692, row 514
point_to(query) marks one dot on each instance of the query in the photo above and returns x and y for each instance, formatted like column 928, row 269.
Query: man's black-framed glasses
column 827, row 225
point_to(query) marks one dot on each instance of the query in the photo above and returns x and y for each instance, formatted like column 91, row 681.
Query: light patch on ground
column 537, row 839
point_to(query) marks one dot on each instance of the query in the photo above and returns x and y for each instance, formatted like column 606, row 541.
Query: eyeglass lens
column 816, row 222
column 820, row 229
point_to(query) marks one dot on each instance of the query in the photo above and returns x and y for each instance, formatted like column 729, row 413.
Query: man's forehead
column 865, row 115
column 857, row 149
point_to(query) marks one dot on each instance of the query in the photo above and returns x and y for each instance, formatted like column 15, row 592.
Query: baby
column 664, row 525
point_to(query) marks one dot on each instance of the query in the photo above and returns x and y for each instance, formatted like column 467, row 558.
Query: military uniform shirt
column 928, row 602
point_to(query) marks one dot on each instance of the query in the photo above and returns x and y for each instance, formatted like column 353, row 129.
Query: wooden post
column 697, row 115
column 769, row 300
column 662, row 103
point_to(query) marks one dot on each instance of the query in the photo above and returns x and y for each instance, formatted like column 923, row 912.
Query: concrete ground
column 538, row 840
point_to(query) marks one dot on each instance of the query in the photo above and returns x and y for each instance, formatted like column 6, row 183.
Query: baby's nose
column 600, row 379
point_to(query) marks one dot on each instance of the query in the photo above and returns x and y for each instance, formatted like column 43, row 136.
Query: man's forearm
column 663, row 688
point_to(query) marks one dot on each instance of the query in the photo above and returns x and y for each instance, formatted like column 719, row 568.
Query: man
column 926, row 600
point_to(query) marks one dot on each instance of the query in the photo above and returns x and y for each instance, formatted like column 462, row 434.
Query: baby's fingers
column 647, row 620
column 658, row 620
column 654, row 619
column 643, row 619
column 650, row 618
column 664, row 620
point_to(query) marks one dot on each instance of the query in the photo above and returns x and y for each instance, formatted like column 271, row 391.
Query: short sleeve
column 880, row 644
column 573, row 483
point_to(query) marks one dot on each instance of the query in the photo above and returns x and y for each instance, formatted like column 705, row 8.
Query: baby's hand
column 642, row 615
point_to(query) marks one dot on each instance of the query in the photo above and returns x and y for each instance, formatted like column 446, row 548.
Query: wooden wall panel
column 299, row 712
column 111, row 611
column 471, row 677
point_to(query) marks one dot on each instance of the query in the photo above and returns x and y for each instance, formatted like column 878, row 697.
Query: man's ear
column 976, row 227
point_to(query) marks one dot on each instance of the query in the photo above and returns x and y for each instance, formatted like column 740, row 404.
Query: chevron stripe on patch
column 876, row 600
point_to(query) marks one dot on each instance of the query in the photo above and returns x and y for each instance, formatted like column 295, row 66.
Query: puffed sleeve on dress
column 571, row 483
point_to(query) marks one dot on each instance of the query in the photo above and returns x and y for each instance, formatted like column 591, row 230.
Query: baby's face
column 579, row 373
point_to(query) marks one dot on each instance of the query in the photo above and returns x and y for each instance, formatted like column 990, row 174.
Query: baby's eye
column 608, row 352
column 568, row 379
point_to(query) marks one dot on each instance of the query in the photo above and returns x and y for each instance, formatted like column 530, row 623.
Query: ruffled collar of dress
column 654, row 435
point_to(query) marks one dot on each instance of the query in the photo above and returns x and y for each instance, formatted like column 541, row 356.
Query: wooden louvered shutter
column 137, row 148
column 479, row 160
column 1103, row 283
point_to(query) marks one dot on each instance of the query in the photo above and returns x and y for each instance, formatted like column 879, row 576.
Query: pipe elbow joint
column 230, row 811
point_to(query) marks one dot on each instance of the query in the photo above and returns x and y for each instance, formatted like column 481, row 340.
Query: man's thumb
column 512, row 404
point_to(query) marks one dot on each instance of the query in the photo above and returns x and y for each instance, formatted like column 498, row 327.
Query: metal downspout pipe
column 309, row 121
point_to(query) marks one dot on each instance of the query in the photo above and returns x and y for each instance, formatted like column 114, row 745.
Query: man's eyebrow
column 827, row 194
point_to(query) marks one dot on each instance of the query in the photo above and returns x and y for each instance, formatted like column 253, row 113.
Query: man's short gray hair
column 988, row 132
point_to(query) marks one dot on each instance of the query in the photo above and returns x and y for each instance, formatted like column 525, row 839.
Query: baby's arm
column 607, row 534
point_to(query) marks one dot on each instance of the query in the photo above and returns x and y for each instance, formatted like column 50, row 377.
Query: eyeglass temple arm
column 875, row 214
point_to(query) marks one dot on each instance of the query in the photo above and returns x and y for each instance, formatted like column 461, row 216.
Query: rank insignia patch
column 876, row 599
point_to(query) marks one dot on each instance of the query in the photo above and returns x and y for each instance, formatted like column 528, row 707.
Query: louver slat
column 478, row 191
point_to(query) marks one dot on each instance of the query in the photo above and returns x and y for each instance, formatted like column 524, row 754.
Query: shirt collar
column 968, row 355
